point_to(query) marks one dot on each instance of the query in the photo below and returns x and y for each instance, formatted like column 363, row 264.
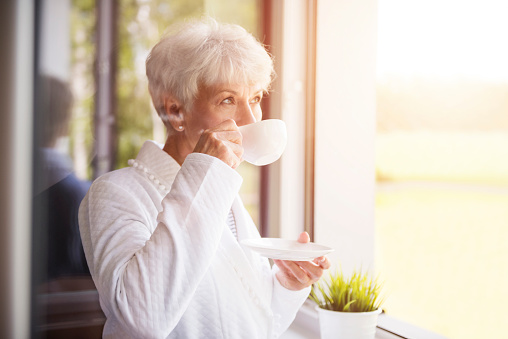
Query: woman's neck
column 176, row 148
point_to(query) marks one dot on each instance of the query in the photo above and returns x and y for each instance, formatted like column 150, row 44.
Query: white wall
column 345, row 130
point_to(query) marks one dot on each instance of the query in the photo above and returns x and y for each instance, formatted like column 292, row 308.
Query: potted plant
column 347, row 307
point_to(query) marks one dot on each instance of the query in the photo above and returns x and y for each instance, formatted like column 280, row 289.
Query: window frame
column 17, row 102
column 287, row 205
column 297, row 197
column 337, row 211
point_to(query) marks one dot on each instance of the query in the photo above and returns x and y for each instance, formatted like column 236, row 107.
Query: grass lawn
column 442, row 246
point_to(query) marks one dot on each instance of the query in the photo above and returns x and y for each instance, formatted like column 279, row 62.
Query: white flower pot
column 347, row 325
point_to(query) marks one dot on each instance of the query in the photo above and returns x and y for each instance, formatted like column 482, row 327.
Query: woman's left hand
column 296, row 275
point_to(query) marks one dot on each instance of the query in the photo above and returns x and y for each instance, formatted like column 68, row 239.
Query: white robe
column 164, row 261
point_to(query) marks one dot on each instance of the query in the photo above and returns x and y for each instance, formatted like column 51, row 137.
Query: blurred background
column 433, row 83
column 442, row 163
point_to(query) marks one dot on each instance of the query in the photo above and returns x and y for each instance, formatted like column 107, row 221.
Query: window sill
column 306, row 326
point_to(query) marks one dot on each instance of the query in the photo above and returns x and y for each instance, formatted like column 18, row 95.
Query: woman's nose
column 245, row 116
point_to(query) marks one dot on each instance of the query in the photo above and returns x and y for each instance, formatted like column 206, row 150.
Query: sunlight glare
column 463, row 38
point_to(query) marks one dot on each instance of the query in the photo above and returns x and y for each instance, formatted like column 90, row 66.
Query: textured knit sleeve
column 146, row 280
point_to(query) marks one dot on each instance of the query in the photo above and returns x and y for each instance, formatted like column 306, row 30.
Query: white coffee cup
column 263, row 141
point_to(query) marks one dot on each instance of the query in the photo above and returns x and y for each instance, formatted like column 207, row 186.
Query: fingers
column 296, row 275
column 236, row 149
column 227, row 130
column 291, row 276
column 304, row 237
column 293, row 271
column 323, row 262
column 234, row 137
column 313, row 271
column 223, row 141
column 226, row 125
column 300, row 274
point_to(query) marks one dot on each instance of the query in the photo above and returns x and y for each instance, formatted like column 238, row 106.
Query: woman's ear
column 174, row 114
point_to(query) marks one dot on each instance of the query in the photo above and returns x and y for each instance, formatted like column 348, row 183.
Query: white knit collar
column 159, row 166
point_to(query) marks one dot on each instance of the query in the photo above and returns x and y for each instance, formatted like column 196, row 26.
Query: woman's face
column 218, row 103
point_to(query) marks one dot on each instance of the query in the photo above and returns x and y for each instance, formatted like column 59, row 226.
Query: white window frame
column 286, row 193
column 345, row 130
column 16, row 126
column 344, row 99
column 345, row 103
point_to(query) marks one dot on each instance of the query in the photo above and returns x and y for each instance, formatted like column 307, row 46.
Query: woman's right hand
column 223, row 141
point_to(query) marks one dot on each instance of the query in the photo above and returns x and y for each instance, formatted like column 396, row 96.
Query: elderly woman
column 162, row 237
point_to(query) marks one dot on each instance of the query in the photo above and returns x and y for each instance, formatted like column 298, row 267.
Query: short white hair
column 205, row 53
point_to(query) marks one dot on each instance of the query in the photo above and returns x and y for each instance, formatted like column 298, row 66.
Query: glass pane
column 246, row 13
column 66, row 302
column 141, row 24
column 442, row 164
column 65, row 296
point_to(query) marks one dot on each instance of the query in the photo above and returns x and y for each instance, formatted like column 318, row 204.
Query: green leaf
column 357, row 293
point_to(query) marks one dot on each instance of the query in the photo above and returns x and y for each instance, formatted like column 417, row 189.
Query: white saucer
column 276, row 248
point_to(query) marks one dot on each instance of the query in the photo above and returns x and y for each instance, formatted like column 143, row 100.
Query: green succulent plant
column 358, row 293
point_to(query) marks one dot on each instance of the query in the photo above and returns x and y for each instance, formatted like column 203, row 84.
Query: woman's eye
column 227, row 101
column 255, row 100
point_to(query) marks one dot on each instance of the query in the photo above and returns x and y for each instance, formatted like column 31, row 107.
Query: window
column 140, row 24
column 413, row 186
column 441, row 164
column 410, row 169
column 93, row 113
